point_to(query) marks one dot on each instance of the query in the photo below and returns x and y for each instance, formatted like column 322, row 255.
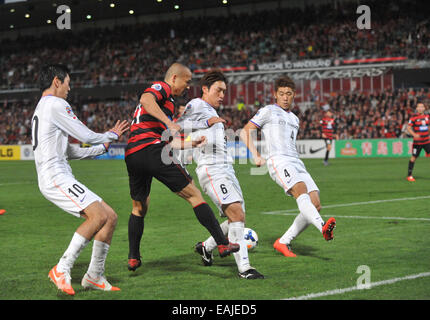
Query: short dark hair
column 49, row 72
column 211, row 77
column 284, row 81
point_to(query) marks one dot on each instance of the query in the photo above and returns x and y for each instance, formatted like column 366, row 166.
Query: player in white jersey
column 52, row 123
column 215, row 171
column 280, row 126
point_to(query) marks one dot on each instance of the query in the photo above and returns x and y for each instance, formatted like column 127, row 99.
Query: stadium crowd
column 358, row 115
column 137, row 53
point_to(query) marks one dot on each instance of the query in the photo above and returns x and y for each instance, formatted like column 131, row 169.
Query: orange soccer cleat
column 283, row 248
column 225, row 250
column 62, row 280
column 133, row 264
column 97, row 284
column 410, row 178
column 328, row 227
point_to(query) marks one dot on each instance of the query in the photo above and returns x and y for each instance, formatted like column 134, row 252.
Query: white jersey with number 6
column 214, row 165
column 52, row 123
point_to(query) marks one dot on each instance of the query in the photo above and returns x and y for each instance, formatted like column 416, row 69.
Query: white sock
column 98, row 258
column 309, row 211
column 72, row 252
column 235, row 235
column 210, row 243
column 300, row 223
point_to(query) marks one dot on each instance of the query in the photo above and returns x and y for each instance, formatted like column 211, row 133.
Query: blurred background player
column 53, row 121
column 280, row 127
column 328, row 129
column 215, row 171
column 143, row 157
column 418, row 127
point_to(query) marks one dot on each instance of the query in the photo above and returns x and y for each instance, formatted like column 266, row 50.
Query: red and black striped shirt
column 145, row 129
column 420, row 125
column 328, row 126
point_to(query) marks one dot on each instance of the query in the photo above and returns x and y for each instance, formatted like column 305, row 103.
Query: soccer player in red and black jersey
column 418, row 127
column 145, row 158
column 328, row 132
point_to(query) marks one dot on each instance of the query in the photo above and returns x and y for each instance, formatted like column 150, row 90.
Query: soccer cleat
column 225, row 250
column 251, row 274
column 327, row 229
column 207, row 257
column 62, row 280
column 410, row 178
column 283, row 248
column 133, row 264
column 98, row 284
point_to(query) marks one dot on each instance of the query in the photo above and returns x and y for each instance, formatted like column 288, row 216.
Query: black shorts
column 416, row 149
column 147, row 163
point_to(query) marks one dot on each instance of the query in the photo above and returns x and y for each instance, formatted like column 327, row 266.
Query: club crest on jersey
column 70, row 112
column 156, row 86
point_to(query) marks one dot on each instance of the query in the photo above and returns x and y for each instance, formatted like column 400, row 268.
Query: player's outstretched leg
column 206, row 217
column 284, row 248
column 283, row 244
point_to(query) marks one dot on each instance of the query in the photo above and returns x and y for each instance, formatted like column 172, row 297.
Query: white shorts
column 287, row 171
column 219, row 182
column 69, row 194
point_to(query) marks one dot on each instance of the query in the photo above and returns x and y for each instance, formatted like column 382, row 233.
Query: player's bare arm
column 178, row 143
column 148, row 101
column 246, row 137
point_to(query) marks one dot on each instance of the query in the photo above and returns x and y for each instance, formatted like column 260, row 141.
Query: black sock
column 207, row 219
column 326, row 155
column 410, row 168
column 135, row 231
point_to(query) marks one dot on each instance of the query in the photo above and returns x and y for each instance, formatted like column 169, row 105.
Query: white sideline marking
column 295, row 211
column 372, row 285
column 356, row 217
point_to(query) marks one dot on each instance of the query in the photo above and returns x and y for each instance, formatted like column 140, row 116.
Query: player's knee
column 191, row 194
column 99, row 219
column 112, row 218
column 140, row 208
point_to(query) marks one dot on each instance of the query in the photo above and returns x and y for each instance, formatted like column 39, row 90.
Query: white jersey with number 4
column 52, row 123
column 280, row 128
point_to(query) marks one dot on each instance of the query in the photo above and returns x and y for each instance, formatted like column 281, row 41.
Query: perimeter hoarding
column 370, row 148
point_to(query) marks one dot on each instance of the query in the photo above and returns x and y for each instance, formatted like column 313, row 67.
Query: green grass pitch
column 34, row 233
